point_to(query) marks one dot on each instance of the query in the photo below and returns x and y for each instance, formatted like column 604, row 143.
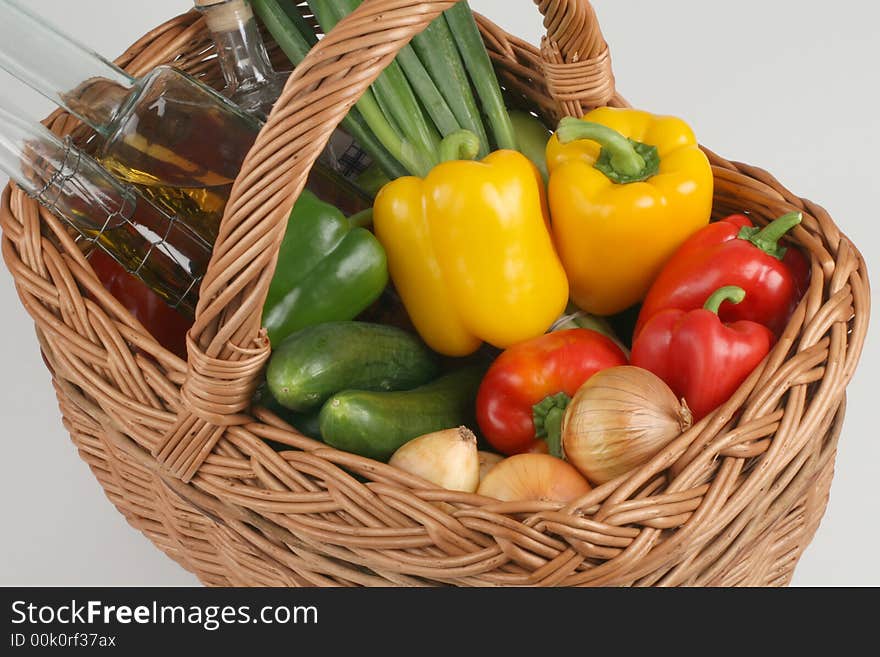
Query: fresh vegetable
column 447, row 458
column 531, row 138
column 435, row 47
column 618, row 420
column 538, row 477
column 316, row 362
column 305, row 423
column 376, row 424
column 523, row 396
column 698, row 356
column 626, row 190
column 326, row 271
column 734, row 252
column 574, row 318
column 337, row 190
column 295, row 37
column 167, row 325
column 389, row 310
column 469, row 251
column 488, row 460
column 426, row 93
column 425, row 88
column 372, row 179
column 395, row 100
column 464, row 30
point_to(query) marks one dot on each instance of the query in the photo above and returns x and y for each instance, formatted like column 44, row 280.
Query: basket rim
column 829, row 323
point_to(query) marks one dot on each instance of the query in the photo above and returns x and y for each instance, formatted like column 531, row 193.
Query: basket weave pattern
column 178, row 450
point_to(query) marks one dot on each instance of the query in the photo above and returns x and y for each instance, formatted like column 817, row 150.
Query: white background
column 788, row 85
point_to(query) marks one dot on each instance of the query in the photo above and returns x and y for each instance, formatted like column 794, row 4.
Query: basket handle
column 227, row 347
column 575, row 57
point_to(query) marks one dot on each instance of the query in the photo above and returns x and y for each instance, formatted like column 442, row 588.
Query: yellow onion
column 539, row 477
column 618, row 420
column 446, row 458
column 488, row 460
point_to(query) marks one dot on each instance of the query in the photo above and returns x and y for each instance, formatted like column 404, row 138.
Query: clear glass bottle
column 155, row 246
column 252, row 83
column 180, row 141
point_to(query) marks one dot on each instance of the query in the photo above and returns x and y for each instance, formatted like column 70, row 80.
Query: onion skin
column 618, row 420
column 488, row 460
column 447, row 458
column 527, row 477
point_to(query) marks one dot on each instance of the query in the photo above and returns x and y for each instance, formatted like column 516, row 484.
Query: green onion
column 416, row 145
column 473, row 52
column 427, row 91
column 399, row 99
column 293, row 13
column 291, row 37
column 286, row 31
column 438, row 53
column 440, row 84
column 379, row 142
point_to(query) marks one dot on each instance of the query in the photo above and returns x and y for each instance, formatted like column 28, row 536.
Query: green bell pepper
column 327, row 270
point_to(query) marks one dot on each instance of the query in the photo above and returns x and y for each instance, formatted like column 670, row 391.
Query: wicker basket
column 178, row 450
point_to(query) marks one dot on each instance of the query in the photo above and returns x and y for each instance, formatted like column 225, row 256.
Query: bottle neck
column 148, row 242
column 240, row 50
column 43, row 165
column 62, row 69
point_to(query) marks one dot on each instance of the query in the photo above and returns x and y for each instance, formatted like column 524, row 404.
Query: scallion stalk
column 291, row 37
column 293, row 13
column 423, row 85
column 418, row 150
column 473, row 52
column 395, row 95
column 436, row 49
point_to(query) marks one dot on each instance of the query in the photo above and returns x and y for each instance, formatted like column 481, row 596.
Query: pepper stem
column 730, row 293
column 547, row 416
column 459, row 145
column 361, row 219
column 767, row 238
column 623, row 160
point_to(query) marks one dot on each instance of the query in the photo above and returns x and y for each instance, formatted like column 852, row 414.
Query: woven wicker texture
column 733, row 501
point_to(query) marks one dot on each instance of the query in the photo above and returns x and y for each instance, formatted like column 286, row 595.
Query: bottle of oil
column 148, row 242
column 253, row 84
column 180, row 141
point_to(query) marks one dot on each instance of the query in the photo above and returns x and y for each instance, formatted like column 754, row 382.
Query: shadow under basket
column 185, row 458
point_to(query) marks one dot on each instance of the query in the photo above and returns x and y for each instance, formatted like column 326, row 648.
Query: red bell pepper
column 734, row 252
column 700, row 358
column 524, row 393
column 165, row 324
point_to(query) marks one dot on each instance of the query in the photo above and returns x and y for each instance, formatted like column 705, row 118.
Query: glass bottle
column 253, row 84
column 180, row 141
column 251, row 81
column 153, row 245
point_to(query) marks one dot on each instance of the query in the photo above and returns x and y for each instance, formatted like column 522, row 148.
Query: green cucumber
column 375, row 424
column 305, row 423
column 318, row 361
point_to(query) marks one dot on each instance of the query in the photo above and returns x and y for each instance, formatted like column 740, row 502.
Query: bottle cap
column 225, row 15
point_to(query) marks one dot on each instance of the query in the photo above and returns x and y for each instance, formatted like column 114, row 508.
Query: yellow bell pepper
column 626, row 189
column 469, row 249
